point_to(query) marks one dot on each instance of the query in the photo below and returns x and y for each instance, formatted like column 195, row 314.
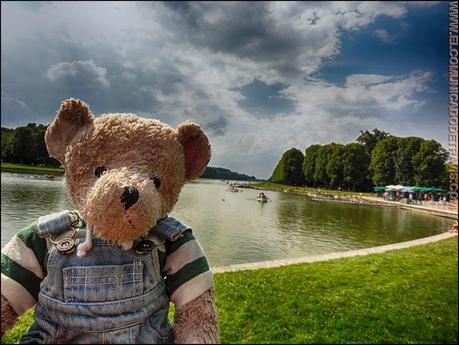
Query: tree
column 23, row 145
column 289, row 169
column 7, row 142
column 382, row 165
column 309, row 164
column 41, row 152
column 404, row 168
column 371, row 139
column 320, row 173
column 430, row 164
column 355, row 161
column 334, row 166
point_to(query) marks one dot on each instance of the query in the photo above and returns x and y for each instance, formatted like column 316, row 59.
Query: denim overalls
column 110, row 295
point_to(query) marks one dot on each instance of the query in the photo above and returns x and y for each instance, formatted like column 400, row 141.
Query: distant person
column 410, row 197
column 454, row 228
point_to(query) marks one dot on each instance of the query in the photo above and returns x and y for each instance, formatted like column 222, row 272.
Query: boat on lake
column 232, row 188
column 261, row 197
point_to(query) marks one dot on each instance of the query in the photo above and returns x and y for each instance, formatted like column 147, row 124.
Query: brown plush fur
column 133, row 150
column 197, row 149
column 9, row 316
column 197, row 321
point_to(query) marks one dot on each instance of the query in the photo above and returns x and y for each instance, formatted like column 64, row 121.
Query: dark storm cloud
column 243, row 29
column 217, row 127
column 79, row 74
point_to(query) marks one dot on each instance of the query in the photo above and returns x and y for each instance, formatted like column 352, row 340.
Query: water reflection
column 234, row 227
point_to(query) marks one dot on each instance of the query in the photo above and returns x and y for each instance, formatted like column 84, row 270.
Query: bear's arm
column 9, row 316
column 197, row 322
column 190, row 286
column 23, row 262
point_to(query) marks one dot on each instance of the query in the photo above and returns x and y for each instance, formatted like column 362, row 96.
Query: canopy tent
column 379, row 188
column 406, row 189
column 416, row 188
column 436, row 190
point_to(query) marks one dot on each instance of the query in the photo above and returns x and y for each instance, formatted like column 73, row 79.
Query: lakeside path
column 440, row 210
column 332, row 256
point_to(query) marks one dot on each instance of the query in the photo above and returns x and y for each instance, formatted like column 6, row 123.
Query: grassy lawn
column 280, row 187
column 402, row 296
column 24, row 167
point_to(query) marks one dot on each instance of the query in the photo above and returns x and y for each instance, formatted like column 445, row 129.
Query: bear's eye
column 99, row 171
column 157, row 181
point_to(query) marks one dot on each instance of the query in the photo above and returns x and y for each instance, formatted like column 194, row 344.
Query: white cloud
column 362, row 95
column 384, row 36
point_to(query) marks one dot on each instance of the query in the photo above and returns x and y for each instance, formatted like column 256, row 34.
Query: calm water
column 234, row 227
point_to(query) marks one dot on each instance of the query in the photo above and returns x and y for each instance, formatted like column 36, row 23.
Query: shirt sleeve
column 186, row 269
column 23, row 261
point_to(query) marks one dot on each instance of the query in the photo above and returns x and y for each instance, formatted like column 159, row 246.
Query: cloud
column 278, row 37
column 12, row 105
column 35, row 6
column 384, row 36
column 362, row 95
column 82, row 73
column 218, row 126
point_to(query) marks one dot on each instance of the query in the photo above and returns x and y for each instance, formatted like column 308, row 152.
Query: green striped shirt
column 24, row 264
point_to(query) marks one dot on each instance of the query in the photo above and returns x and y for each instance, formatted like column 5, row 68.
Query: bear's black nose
column 129, row 197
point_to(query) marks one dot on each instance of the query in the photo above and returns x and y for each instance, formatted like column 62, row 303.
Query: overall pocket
column 103, row 283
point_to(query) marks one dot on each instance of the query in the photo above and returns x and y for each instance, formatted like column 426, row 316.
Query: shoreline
column 355, row 198
column 24, row 168
column 332, row 256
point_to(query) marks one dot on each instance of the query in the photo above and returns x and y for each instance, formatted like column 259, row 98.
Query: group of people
column 416, row 198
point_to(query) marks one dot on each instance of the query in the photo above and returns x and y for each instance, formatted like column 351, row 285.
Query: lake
column 235, row 228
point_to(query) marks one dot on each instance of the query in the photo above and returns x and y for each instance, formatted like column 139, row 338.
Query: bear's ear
column 196, row 147
column 71, row 117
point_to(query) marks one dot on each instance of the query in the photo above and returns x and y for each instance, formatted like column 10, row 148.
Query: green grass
column 25, row 167
column 280, row 187
column 402, row 296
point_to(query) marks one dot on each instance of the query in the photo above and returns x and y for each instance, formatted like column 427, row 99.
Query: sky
column 258, row 77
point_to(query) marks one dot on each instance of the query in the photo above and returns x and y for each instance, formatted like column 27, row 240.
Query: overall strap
column 170, row 229
column 57, row 223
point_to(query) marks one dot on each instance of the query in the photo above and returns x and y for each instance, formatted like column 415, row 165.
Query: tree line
column 226, row 174
column 376, row 158
column 26, row 145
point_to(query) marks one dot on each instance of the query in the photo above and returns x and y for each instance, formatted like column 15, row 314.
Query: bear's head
column 124, row 172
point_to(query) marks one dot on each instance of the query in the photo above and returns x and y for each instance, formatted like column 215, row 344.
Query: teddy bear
column 107, row 271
